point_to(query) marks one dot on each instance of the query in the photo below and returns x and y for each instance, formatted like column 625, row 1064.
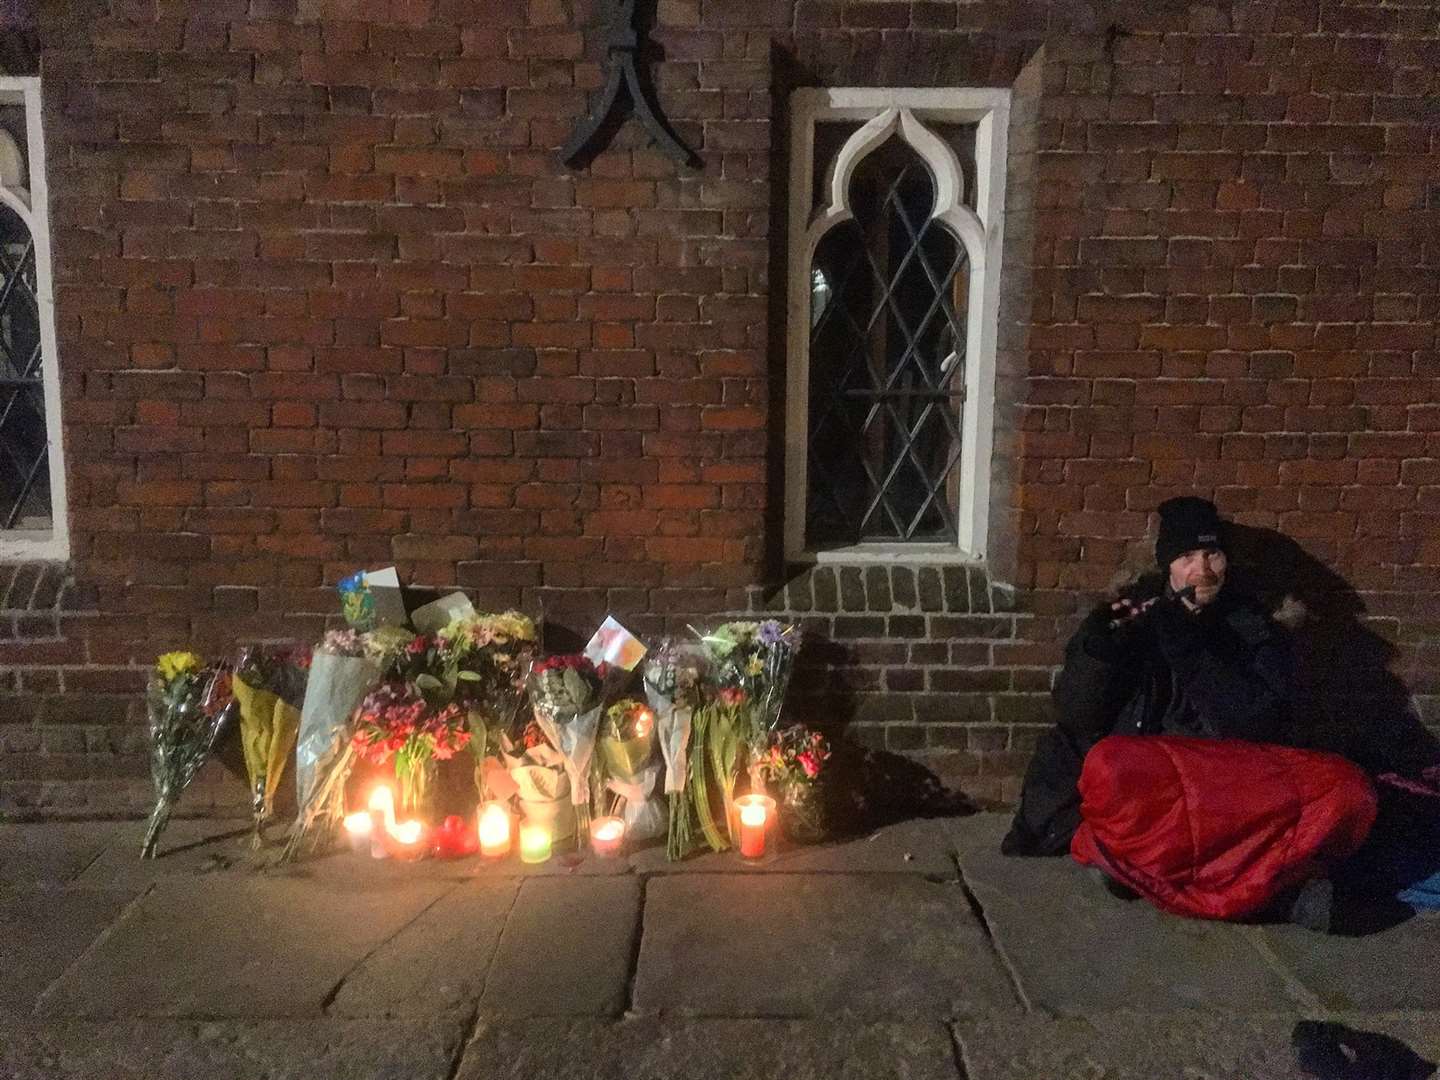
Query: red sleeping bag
column 1217, row 828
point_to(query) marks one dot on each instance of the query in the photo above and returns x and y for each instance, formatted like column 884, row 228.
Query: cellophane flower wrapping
column 565, row 696
column 269, row 685
column 541, row 782
column 673, row 672
column 750, row 668
column 489, row 655
column 341, row 674
column 187, row 706
column 340, row 677
column 626, row 752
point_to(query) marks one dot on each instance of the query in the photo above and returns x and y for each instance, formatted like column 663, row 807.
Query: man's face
column 1204, row 568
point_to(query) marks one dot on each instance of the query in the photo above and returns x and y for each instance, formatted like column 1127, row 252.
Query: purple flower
column 770, row 632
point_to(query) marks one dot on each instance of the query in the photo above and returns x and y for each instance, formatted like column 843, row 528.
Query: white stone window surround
column 32, row 204
column 901, row 113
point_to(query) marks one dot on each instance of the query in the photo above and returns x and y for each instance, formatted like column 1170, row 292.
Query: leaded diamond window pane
column 24, row 462
column 887, row 339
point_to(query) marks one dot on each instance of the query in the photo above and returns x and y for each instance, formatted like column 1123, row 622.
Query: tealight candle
column 494, row 831
column 534, row 842
column 358, row 827
column 754, row 819
column 406, row 840
column 382, row 818
column 606, row 836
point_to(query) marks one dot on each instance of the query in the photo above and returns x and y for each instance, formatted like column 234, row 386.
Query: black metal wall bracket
column 629, row 35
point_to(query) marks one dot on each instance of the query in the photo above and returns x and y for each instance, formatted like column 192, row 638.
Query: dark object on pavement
column 1314, row 906
column 1333, row 1051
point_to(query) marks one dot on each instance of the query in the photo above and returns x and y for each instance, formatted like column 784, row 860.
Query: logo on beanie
column 1207, row 538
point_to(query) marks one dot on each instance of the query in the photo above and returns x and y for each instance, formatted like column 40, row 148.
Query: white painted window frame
column 902, row 112
column 33, row 206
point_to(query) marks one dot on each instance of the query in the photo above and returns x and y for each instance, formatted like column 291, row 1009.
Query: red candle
column 754, row 813
column 455, row 840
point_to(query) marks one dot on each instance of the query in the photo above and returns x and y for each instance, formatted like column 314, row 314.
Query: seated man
column 1179, row 656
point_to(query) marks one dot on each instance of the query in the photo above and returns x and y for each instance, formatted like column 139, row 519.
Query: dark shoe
column 1314, row 906
column 1118, row 890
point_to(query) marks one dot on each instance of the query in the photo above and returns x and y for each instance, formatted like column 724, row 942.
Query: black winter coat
column 1225, row 672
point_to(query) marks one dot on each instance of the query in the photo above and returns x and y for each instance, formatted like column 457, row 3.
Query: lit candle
column 534, row 842
column 358, row 827
column 406, row 840
column 382, row 818
column 606, row 836
column 455, row 840
column 494, row 831
column 754, row 818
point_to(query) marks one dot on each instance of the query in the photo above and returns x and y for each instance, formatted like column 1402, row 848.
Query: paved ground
column 917, row 952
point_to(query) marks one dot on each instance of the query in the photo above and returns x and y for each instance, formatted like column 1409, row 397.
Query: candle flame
column 382, row 801
column 644, row 721
column 752, row 814
column 494, row 826
column 609, row 829
column 405, row 832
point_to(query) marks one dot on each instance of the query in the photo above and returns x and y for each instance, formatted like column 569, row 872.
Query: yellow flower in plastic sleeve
column 172, row 665
column 755, row 666
column 514, row 626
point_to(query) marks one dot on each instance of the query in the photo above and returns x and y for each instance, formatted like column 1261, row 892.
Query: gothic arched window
column 895, row 241
column 32, row 512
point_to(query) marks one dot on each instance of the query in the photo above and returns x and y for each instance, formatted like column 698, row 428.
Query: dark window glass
column 887, row 342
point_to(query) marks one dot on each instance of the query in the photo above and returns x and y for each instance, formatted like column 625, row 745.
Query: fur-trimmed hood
column 1286, row 609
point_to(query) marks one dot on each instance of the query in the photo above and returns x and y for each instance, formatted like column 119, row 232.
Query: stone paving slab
column 566, row 949
column 1187, row 1045
column 315, row 1049
column 651, row 1048
column 1077, row 950
column 189, row 846
column 438, row 962
column 53, row 852
column 42, row 930
column 1394, row 969
column 233, row 946
column 912, row 847
column 781, row 946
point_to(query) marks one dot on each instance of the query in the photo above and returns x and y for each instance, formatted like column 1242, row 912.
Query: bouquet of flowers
column 341, row 674
column 269, row 686
column 794, row 760
column 565, row 694
column 626, row 744
column 537, row 772
column 753, row 661
column 397, row 724
column 672, row 688
column 186, row 705
column 489, row 656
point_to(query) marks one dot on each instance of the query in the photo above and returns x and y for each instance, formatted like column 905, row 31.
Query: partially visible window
column 32, row 479
column 896, row 213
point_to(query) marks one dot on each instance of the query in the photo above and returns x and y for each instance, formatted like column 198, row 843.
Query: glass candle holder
column 358, row 829
column 494, row 829
column 534, row 843
column 407, row 840
column 607, row 836
column 756, row 814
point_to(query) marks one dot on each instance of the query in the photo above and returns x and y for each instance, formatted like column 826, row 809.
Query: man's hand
column 1123, row 612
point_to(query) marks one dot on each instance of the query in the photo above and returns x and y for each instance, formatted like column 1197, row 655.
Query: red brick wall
column 327, row 300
